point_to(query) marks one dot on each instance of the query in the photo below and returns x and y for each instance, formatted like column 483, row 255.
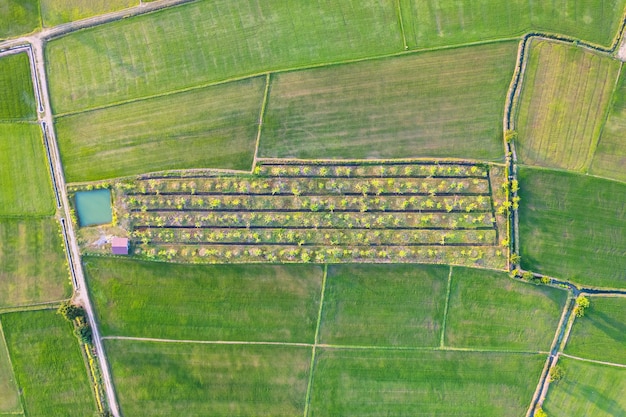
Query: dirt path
column 618, row 365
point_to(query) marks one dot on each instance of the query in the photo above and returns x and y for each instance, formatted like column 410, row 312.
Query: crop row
column 310, row 186
column 342, row 220
column 305, row 237
column 406, row 169
column 468, row 204
column 479, row 256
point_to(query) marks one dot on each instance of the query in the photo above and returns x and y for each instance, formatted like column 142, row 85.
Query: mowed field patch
column 489, row 310
column 9, row 398
column 429, row 23
column 384, row 305
column 168, row 379
column 24, row 175
column 17, row 97
column 572, row 227
column 435, row 383
column 209, row 41
column 436, row 104
column 609, row 159
column 213, row 127
column 18, row 17
column 56, row 12
column 32, row 263
column 601, row 333
column 209, row 302
column 48, row 365
column 563, row 105
column 587, row 389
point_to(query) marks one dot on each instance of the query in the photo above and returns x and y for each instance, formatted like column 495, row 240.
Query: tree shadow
column 614, row 329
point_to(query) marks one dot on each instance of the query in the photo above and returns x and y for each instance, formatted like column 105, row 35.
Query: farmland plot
column 563, row 105
column 213, row 127
column 610, row 157
column 18, row 17
column 408, row 383
column 360, row 212
column 435, row 104
column 26, row 184
column 601, row 333
column 489, row 310
column 17, row 98
column 208, row 41
column 205, row 302
column 56, row 12
column 32, row 262
column 48, row 365
column 587, row 389
column 9, row 399
column 429, row 23
column 572, row 227
column 159, row 379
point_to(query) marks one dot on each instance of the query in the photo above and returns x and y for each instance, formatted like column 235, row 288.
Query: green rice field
column 430, row 23
column 161, row 379
column 436, row 104
column 208, row 41
column 489, row 310
column 17, row 98
column 601, row 333
column 381, row 383
column 56, row 12
column 572, row 227
column 609, row 159
column 9, row 397
column 384, row 305
column 32, row 262
column 563, row 105
column 587, row 389
column 212, row 127
column 18, row 17
column 48, row 365
column 221, row 302
column 24, row 174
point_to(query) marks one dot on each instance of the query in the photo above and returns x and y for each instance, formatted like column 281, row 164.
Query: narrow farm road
column 80, row 286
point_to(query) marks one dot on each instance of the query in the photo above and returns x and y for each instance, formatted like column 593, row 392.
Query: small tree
column 556, row 373
column 510, row 136
column 582, row 303
column 540, row 413
column 70, row 311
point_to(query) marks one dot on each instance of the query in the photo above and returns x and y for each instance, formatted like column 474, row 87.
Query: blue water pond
column 94, row 207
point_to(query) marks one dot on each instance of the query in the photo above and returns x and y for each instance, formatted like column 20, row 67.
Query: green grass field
column 435, row 104
column 9, row 398
column 17, row 97
column 563, row 106
column 384, row 305
column 161, row 379
column 382, row 383
column 18, row 17
column 251, row 303
column 430, row 23
column 489, row 310
column 609, row 159
column 208, row 41
column 572, row 227
column 48, row 365
column 24, row 175
column 214, row 127
column 601, row 333
column 587, row 389
column 56, row 12
column 32, row 262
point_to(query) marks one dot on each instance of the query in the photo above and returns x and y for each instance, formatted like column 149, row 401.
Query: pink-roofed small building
column 119, row 246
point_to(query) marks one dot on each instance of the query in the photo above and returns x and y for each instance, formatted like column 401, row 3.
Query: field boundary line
column 284, row 70
column 594, row 146
column 578, row 358
column 555, row 169
column 46, row 305
column 401, row 21
column 13, row 375
column 445, row 309
column 204, row 342
column 268, row 80
column 309, row 387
